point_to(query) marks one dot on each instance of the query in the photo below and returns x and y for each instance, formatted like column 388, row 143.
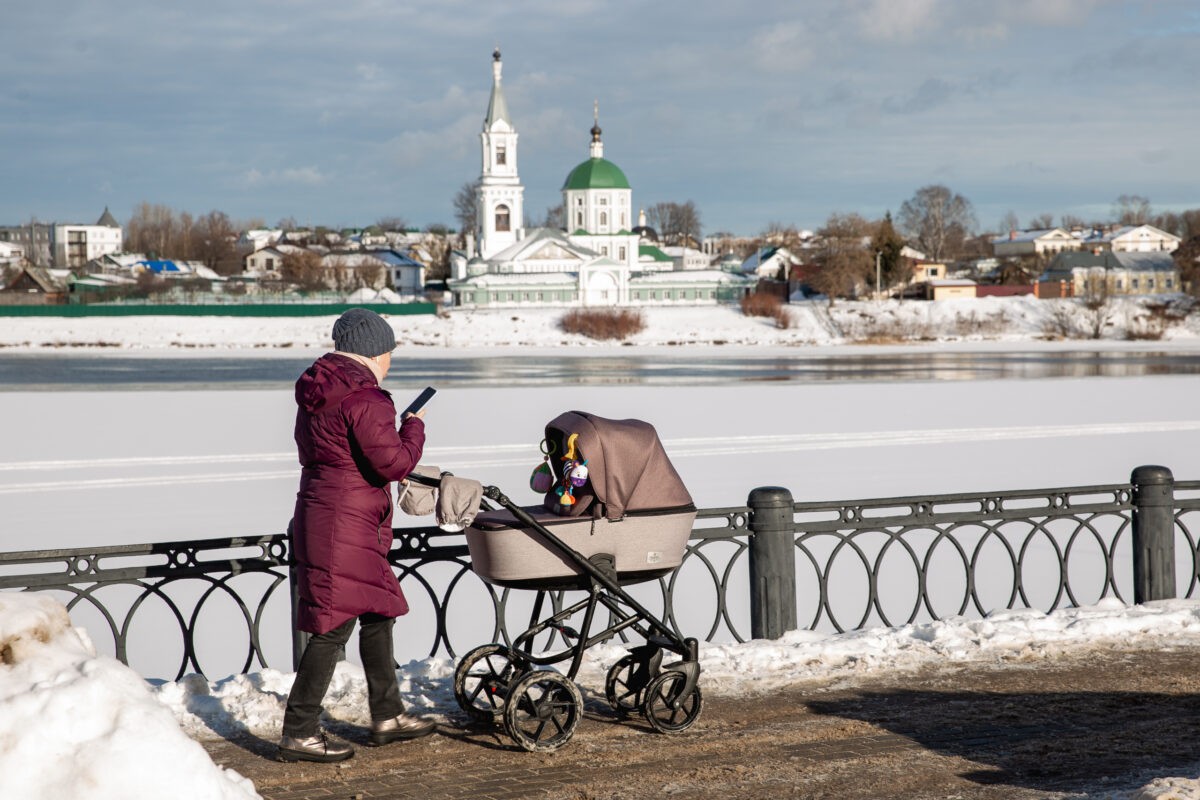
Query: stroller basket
column 644, row 546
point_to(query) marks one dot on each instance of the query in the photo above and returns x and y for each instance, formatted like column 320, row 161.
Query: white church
column 597, row 258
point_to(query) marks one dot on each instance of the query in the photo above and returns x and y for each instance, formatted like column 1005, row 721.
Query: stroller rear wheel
column 481, row 682
column 621, row 686
column 665, row 709
column 543, row 710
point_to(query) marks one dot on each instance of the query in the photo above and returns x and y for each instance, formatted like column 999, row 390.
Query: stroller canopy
column 628, row 470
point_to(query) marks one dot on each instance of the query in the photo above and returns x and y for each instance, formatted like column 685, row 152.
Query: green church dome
column 596, row 173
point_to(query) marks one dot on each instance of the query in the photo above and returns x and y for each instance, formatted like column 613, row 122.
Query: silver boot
column 313, row 748
column 404, row 726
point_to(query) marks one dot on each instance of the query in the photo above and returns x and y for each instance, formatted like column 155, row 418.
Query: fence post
column 1153, row 533
column 299, row 637
column 772, row 563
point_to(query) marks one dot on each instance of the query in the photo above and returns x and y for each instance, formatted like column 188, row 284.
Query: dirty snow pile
column 77, row 725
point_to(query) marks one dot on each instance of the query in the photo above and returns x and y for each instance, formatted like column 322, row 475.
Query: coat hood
column 328, row 381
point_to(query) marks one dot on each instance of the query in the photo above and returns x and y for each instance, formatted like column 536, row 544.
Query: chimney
column 1012, row 235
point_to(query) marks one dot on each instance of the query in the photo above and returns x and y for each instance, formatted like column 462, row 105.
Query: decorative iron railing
column 224, row 606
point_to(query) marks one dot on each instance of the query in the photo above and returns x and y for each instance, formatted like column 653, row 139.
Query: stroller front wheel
column 542, row 711
column 664, row 707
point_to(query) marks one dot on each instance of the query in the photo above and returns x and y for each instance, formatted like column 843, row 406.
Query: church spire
column 497, row 106
column 597, row 148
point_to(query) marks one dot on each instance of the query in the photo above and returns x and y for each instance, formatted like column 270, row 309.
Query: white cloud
column 368, row 72
column 901, row 20
column 303, row 176
column 784, row 47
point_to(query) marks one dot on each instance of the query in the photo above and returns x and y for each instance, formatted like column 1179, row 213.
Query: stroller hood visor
column 628, row 469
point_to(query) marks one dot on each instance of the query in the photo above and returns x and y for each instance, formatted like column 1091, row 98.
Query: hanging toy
column 574, row 473
column 542, row 479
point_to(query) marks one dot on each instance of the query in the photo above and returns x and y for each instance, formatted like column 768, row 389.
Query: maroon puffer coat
column 342, row 528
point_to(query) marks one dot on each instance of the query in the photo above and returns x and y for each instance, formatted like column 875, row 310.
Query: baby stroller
column 615, row 513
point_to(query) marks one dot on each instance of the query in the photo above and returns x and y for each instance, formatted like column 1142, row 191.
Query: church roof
column 108, row 220
column 596, row 173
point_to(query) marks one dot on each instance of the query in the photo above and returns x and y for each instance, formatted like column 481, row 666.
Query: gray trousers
column 321, row 655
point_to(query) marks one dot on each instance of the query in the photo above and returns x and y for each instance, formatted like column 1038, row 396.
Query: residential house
column 1110, row 274
column 256, row 239
column 688, row 257
column 1132, row 239
column 11, row 254
column 73, row 246
column 1042, row 241
column 267, row 261
column 770, row 262
column 36, row 286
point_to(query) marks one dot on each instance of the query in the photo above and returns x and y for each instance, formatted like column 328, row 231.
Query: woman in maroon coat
column 351, row 452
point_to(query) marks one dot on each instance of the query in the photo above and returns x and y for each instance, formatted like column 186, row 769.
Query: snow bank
column 254, row 703
column 77, row 725
column 1003, row 319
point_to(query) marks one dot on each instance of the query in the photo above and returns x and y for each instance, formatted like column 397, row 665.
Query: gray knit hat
column 362, row 331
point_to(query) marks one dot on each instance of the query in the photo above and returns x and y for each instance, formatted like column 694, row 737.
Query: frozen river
column 693, row 367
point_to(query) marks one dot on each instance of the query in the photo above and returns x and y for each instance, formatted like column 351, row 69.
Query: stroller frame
column 540, row 708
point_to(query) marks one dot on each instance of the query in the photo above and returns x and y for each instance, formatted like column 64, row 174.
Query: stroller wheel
column 542, row 711
column 481, row 682
column 622, row 688
column 665, row 709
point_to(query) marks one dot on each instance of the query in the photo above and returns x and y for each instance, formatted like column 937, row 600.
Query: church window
column 623, row 222
column 603, row 201
column 579, row 219
column 604, row 218
column 502, row 219
column 604, row 250
column 621, row 253
column 501, row 154
column 579, row 202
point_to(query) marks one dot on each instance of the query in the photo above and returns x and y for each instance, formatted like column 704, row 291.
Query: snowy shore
column 988, row 322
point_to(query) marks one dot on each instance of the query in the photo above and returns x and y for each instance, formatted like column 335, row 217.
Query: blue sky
column 344, row 113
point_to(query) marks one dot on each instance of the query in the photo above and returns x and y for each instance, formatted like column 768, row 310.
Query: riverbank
column 1010, row 322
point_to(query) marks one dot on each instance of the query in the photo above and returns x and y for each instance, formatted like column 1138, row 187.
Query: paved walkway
column 1097, row 727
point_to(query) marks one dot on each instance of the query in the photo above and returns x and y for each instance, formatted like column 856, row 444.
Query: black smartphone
column 419, row 403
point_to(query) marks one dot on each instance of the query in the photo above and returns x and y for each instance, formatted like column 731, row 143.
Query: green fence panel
column 214, row 310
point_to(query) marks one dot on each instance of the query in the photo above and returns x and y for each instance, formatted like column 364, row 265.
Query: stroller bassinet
column 633, row 509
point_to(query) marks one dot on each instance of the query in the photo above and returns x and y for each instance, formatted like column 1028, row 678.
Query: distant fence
column 248, row 309
column 755, row 571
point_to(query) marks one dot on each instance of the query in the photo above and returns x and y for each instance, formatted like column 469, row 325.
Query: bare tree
column 676, row 223
column 216, row 243
column 1187, row 261
column 843, row 260
column 1070, row 221
column 1042, row 222
column 938, row 220
column 1010, row 222
column 466, row 211
column 304, row 269
column 396, row 224
column 1131, row 209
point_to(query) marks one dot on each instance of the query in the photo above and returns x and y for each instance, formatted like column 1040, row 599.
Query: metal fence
column 224, row 606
